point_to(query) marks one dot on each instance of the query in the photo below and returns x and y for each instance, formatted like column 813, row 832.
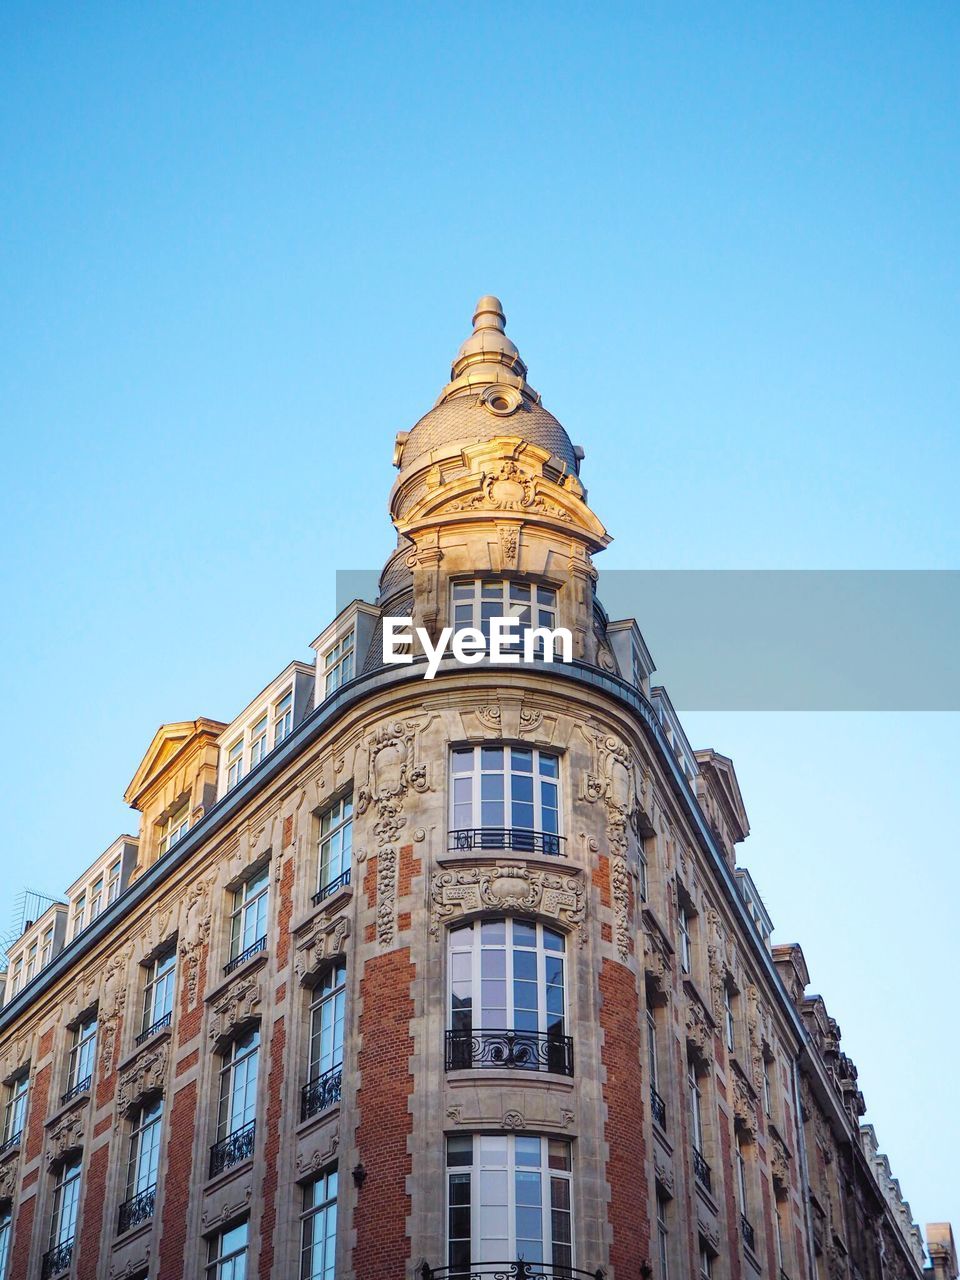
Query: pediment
column 167, row 743
column 725, row 777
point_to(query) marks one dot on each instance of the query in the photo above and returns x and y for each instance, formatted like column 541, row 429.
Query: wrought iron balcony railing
column 658, row 1109
column 138, row 1209
column 233, row 1149
column 154, row 1027
column 517, row 839
column 82, row 1086
column 701, row 1170
column 519, row 1050
column 327, row 890
column 11, row 1142
column 518, row 1270
column 57, row 1260
column 748, row 1233
column 321, row 1093
column 244, row 956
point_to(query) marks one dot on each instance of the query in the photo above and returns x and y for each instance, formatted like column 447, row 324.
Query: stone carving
column 66, row 1136
column 111, row 1007
column 698, row 1029
column 656, row 959
column 135, row 1265
column 319, row 1158
column 193, row 936
column 235, row 1008
column 489, row 717
column 220, row 1215
column 664, row 1171
column 530, row 719
column 612, row 783
column 386, row 894
column 567, row 1118
column 709, row 1230
column 455, row 1114
column 557, row 895
column 779, row 1161
column 744, row 1107
column 145, row 1075
column 8, row 1179
column 14, row 1059
column 325, row 939
column 513, row 1120
column 509, row 545
column 509, row 488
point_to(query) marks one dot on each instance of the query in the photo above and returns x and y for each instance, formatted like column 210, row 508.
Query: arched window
column 507, row 997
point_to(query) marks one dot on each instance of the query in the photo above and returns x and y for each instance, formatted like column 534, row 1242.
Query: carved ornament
column 466, row 890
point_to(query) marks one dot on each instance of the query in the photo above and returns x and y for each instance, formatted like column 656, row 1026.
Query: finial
column 488, row 314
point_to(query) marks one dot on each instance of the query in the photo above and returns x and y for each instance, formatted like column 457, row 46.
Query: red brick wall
column 732, row 1208
column 268, row 1221
column 94, row 1188
column 21, row 1240
column 623, row 1094
column 383, row 1205
column 601, row 878
column 177, row 1182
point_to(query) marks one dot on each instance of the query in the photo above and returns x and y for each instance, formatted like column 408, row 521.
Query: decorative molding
column 235, row 1008
column 744, row 1103
column 509, row 545
column 779, row 1160
column 136, row 1266
column 513, row 1120
column 386, row 894
column 145, row 1075
column 709, row 1230
column 112, row 1004
column 8, row 1179
column 66, row 1136
column 194, row 932
column 219, row 1216
column 319, row 1158
column 663, row 1171
column 326, row 938
column 557, row 895
column 699, row 1032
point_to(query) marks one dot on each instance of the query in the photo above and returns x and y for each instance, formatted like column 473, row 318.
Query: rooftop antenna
column 29, row 905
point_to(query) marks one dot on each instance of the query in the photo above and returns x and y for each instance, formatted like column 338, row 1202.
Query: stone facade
column 701, row 1117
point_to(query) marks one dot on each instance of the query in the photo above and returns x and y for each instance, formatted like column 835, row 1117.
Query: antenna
column 29, row 905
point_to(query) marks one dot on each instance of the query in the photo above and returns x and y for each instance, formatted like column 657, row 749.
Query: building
column 404, row 978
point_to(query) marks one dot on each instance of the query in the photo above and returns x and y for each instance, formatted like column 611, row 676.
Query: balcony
column 11, row 1142
column 748, row 1233
column 328, row 890
column 515, row 1050
column 519, row 1270
column 701, row 1170
column 138, row 1209
column 658, row 1109
column 233, row 1149
column 244, row 956
column 321, row 1093
column 159, row 1025
column 81, row 1087
column 516, row 839
column 57, row 1260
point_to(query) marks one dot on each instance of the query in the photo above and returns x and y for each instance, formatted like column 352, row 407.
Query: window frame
column 163, row 980
column 328, row 1001
column 238, row 1055
column 324, row 1211
column 243, row 903
column 146, row 1124
column 729, row 1018
column 335, row 834
column 482, row 767
column 476, row 609
column 113, row 878
column 218, row 1262
column 695, row 1100
column 663, row 1232
column 66, row 1194
column 281, row 717
column 83, row 1052
column 6, row 1234
column 171, row 831
column 475, row 949
column 15, row 1108
column 339, row 662
column 685, row 948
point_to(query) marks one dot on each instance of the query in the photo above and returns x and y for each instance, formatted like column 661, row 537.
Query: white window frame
column 729, row 1022
column 173, row 829
column 235, row 763
column 15, row 1109
column 159, row 988
column 663, row 1234
column 30, row 971
column 339, row 662
column 224, row 1253
column 96, row 898
column 485, row 1166
column 83, row 1053
column 766, row 1089
column 474, row 601
column 16, row 976
column 705, row 1269
column 474, row 770
column 66, row 1203
column 683, row 927
column 335, row 851
column 251, row 902
column 696, row 1107
column 653, row 1063
column 467, row 945
column 239, row 1073
column 143, row 1160
column 741, row 1177
column 259, row 733
column 318, row 1227
column 46, row 947
column 327, row 1011
column 282, row 717
column 113, row 881
column 79, row 914
column 6, row 1231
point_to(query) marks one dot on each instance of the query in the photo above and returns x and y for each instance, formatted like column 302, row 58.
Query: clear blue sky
column 240, row 245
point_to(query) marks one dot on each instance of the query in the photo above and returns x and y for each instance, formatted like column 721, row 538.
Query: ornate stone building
column 405, row 979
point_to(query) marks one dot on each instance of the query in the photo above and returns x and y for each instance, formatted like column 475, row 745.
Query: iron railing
column 233, row 1149
column 701, row 1170
column 321, row 1093
column 152, row 1030
column 518, row 1270
column 658, row 1109
column 138, row 1209
column 57, row 1260
column 237, row 961
column 518, row 839
column 11, row 1142
column 327, row 890
column 82, row 1086
column 748, row 1233
column 520, row 1050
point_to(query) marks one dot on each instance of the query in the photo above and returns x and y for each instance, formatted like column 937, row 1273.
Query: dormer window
column 235, row 763
column 96, row 898
column 283, row 718
column 31, row 961
column 338, row 664
column 113, row 882
column 46, row 948
column 16, row 979
column 173, row 829
column 79, row 912
column 258, row 741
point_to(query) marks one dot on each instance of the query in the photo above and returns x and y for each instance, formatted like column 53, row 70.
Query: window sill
column 508, row 858
column 249, row 966
column 478, row 1077
column 327, row 907
column 226, row 1176
column 75, row 1103
column 156, row 1039
column 132, row 1234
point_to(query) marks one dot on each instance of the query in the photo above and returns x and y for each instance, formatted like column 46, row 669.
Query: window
column 6, row 1226
column 336, row 837
column 16, row 979
column 248, row 919
column 507, row 1001
column 476, row 602
column 508, row 1196
column 227, row 1254
column 31, row 968
column 158, row 992
column 683, row 928
column 173, row 829
column 642, row 874
column 79, row 911
column 729, row 1026
column 505, row 797
column 318, row 1229
column 779, row 1236
column 15, row 1112
column 82, row 1053
column 258, row 741
column 767, row 1101
column 706, row 1263
column 282, row 718
column 326, row 1021
column 144, row 1149
column 63, row 1224
column 652, row 1050
column 96, row 898
column 113, row 882
column 662, row 1234
column 46, row 948
column 696, row 1110
column 238, row 1084
column 741, row 1178
column 235, row 763
column 338, row 664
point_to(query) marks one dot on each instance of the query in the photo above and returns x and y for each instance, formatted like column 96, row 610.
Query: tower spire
column 488, row 356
